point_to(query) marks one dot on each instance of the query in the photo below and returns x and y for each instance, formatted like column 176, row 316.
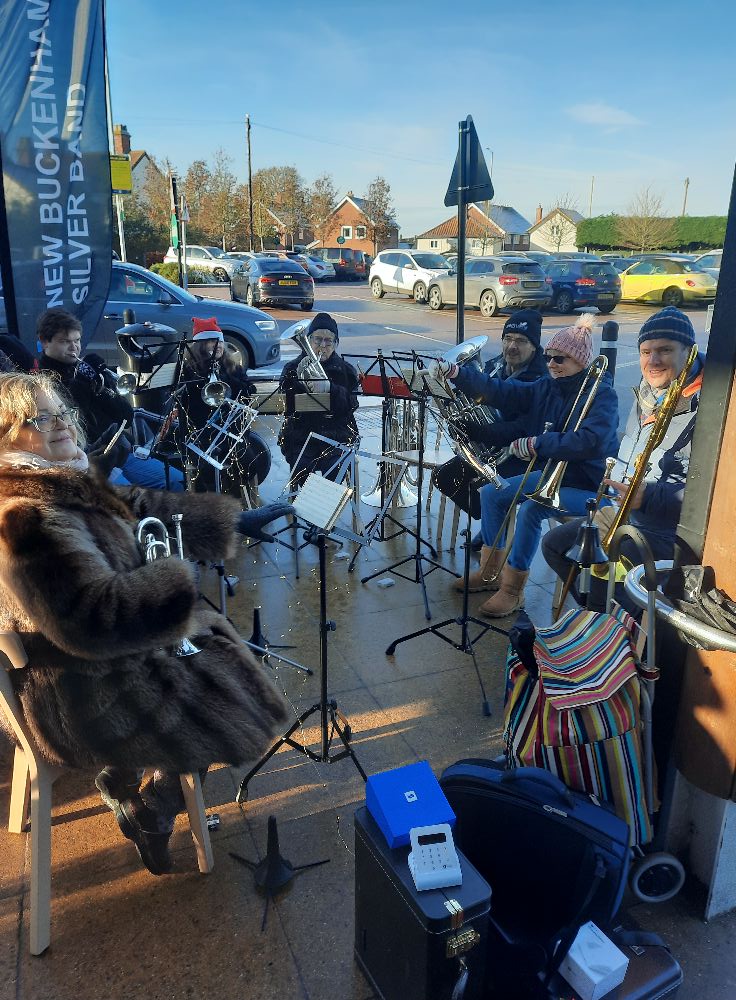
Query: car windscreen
column 270, row 264
column 432, row 260
column 215, row 251
column 598, row 271
column 519, row 267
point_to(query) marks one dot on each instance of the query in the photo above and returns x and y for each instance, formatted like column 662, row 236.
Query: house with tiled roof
column 349, row 220
column 487, row 231
column 556, row 231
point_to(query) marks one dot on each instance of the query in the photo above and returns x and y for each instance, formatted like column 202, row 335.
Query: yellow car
column 671, row 282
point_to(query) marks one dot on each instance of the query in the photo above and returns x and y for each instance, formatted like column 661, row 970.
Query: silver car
column 494, row 283
column 222, row 265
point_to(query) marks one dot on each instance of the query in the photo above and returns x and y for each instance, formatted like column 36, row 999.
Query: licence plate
column 532, row 284
column 605, row 295
column 288, row 282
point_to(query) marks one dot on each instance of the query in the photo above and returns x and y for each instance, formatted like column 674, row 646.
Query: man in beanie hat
column 337, row 422
column 549, row 401
column 665, row 342
column 521, row 359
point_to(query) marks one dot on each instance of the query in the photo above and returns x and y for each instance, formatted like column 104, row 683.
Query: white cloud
column 603, row 115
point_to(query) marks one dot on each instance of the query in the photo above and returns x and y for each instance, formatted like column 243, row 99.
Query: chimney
column 350, row 194
column 539, row 215
column 121, row 139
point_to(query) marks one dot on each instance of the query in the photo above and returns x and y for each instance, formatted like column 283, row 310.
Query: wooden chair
column 32, row 782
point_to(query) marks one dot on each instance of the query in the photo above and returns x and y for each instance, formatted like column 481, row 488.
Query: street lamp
column 489, row 150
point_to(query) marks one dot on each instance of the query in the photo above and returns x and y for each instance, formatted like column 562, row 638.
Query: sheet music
column 268, row 403
column 320, row 501
column 421, row 379
column 312, row 402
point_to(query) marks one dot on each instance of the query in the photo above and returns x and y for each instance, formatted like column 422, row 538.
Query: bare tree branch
column 644, row 227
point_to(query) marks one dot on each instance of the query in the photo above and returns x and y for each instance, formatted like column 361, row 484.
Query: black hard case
column 401, row 935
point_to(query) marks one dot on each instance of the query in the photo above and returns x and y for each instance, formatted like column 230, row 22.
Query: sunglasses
column 559, row 359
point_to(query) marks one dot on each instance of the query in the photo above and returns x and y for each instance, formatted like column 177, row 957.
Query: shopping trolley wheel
column 657, row 878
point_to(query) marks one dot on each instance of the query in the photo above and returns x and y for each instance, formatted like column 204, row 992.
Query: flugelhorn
column 153, row 538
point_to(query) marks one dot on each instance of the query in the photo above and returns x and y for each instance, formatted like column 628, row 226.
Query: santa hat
column 206, row 329
column 575, row 341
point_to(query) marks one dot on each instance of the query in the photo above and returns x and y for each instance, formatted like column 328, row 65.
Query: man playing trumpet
column 665, row 342
column 569, row 421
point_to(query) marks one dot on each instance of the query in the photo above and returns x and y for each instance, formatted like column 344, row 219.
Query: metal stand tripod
column 332, row 721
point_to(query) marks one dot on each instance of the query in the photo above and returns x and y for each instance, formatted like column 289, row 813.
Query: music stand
column 466, row 641
column 422, row 387
column 330, row 496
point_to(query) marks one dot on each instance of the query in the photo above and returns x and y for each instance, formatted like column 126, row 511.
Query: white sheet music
column 422, row 379
column 320, row 501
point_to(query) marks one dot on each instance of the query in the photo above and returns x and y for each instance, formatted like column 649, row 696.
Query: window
column 347, row 232
column 127, row 286
column 434, row 244
column 360, row 232
column 196, row 252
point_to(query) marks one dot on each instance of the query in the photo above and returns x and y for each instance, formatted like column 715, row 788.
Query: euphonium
column 548, row 488
column 153, row 538
column 310, row 367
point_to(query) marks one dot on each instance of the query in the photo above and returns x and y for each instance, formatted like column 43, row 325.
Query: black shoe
column 477, row 543
column 138, row 823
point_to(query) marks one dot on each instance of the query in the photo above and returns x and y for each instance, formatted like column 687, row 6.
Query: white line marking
column 421, row 336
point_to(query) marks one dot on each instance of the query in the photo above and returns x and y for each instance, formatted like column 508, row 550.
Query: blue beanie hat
column 669, row 324
column 325, row 322
column 527, row 322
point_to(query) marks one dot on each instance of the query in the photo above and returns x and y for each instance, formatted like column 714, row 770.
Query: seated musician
column 209, row 359
column 104, row 687
column 521, row 359
column 582, row 444
column 665, row 341
column 337, row 422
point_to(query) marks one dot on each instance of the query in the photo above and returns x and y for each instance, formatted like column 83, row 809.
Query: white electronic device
column 433, row 860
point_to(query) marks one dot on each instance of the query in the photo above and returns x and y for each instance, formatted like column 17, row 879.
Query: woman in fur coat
column 104, row 686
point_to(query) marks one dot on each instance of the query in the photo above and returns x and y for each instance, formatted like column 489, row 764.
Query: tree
column 560, row 229
column 321, row 201
column 644, row 227
column 282, row 190
column 379, row 212
column 221, row 212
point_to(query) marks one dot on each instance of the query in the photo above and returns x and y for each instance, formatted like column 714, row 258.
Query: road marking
column 420, row 336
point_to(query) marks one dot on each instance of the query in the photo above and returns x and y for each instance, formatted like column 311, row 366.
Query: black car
column 272, row 280
column 344, row 261
column 577, row 282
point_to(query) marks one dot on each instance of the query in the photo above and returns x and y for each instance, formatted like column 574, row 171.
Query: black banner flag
column 55, row 197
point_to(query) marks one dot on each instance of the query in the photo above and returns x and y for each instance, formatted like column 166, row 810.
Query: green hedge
column 170, row 271
column 692, row 232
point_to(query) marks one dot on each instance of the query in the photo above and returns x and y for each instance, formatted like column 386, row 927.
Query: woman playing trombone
column 565, row 425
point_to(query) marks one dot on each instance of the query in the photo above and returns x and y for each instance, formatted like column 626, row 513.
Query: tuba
column 310, row 367
column 153, row 539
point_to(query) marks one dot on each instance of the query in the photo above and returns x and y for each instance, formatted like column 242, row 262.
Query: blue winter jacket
column 512, row 421
column 550, row 400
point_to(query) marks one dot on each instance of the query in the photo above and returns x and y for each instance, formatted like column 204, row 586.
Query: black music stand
column 332, row 721
column 418, row 557
column 466, row 641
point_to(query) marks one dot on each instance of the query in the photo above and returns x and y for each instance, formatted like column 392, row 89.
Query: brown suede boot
column 483, row 578
column 510, row 596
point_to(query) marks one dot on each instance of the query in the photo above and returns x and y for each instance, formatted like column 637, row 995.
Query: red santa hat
column 206, row 329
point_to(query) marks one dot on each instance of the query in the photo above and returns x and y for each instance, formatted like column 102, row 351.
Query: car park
column 222, row 265
column 667, row 281
column 492, row 284
column 320, row 270
column 342, row 259
column 407, row 271
column 361, row 269
column 253, row 334
column 578, row 282
column 710, row 262
column 273, row 281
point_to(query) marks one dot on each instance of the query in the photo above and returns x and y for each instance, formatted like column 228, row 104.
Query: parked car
column 222, row 265
column 321, row 270
column 541, row 256
column 492, row 284
column 342, row 259
column 710, row 262
column 574, row 255
column 580, row 282
column 272, row 280
column 671, row 282
column 253, row 334
column 408, row 271
column 361, row 269
column 619, row 262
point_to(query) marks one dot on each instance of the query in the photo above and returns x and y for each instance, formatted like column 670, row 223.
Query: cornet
column 153, row 538
column 215, row 392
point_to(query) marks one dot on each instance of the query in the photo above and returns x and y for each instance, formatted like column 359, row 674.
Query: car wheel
column 221, row 274
column 233, row 296
column 307, row 306
column 249, row 295
column 672, row 297
column 435, row 298
column 419, row 293
column 239, row 350
column 564, row 303
column 606, row 310
column 488, row 304
column 377, row 288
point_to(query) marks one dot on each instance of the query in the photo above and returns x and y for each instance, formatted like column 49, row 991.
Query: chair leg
column 455, row 527
column 40, row 913
column 441, row 520
column 192, row 788
column 20, row 793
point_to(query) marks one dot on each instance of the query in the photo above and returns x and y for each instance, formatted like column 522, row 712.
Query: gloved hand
column 118, row 454
column 252, row 522
column 524, row 448
column 442, row 370
column 319, row 385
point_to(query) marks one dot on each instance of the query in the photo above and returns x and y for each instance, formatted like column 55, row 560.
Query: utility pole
column 590, row 202
column 250, row 184
column 684, row 202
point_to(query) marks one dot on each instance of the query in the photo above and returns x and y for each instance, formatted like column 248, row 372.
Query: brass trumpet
column 215, row 392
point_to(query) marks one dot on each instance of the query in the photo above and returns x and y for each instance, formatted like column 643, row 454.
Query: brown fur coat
column 103, row 685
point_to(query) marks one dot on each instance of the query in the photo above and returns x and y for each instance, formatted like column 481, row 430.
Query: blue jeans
column 148, row 472
column 494, row 505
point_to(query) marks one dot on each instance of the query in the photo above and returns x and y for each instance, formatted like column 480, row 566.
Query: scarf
column 27, row 459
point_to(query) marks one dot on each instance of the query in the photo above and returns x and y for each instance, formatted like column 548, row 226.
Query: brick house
column 349, row 220
column 141, row 163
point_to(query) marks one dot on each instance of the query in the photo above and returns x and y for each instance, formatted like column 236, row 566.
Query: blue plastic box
column 406, row 797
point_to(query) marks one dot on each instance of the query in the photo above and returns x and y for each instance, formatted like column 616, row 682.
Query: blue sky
column 634, row 94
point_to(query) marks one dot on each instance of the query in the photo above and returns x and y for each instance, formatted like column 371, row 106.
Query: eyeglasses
column 324, row 341
column 518, row 341
column 559, row 359
column 47, row 422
